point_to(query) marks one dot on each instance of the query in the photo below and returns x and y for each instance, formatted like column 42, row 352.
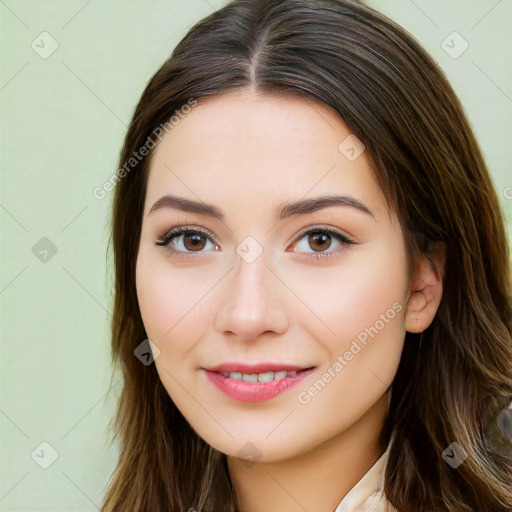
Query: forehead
column 246, row 148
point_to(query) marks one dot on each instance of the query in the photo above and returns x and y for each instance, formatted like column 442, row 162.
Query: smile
column 256, row 386
column 259, row 377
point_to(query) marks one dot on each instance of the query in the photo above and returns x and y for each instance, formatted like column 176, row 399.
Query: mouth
column 256, row 383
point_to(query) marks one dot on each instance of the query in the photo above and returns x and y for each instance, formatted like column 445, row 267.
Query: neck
column 316, row 480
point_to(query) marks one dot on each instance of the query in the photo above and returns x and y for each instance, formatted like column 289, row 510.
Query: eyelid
column 185, row 226
column 327, row 228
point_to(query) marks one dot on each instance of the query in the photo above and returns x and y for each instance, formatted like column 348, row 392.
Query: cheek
column 364, row 309
column 156, row 304
column 369, row 297
column 172, row 302
column 366, row 290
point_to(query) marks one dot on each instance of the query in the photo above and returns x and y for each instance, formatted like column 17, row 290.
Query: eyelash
column 180, row 229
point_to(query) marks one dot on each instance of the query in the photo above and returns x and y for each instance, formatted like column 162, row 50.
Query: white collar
column 368, row 494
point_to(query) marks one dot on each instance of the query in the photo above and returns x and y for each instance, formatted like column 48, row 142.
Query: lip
column 256, row 367
column 255, row 391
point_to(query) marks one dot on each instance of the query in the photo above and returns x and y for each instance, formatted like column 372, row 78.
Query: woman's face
column 263, row 284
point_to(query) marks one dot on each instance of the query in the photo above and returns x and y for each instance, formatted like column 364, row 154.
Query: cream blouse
column 368, row 495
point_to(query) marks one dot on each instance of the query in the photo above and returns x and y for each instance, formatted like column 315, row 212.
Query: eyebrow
column 284, row 211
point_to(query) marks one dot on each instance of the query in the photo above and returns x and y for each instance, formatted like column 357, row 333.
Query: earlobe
column 426, row 292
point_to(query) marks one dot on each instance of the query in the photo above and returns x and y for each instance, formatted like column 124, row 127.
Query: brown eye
column 319, row 241
column 184, row 242
column 194, row 241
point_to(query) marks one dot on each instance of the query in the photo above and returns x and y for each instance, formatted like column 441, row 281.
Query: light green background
column 62, row 120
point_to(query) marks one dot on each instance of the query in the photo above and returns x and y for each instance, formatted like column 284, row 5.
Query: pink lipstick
column 256, row 382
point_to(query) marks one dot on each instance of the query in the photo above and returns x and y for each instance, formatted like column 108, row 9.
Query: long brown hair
column 393, row 96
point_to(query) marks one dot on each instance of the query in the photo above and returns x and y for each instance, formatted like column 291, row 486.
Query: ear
column 426, row 291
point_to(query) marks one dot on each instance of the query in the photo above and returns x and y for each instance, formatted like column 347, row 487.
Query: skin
column 248, row 154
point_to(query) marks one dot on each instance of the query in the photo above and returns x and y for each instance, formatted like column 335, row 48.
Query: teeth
column 265, row 377
column 259, row 377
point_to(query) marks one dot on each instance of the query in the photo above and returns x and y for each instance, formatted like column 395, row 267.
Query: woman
column 312, row 284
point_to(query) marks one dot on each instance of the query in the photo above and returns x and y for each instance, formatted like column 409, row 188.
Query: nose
column 252, row 302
